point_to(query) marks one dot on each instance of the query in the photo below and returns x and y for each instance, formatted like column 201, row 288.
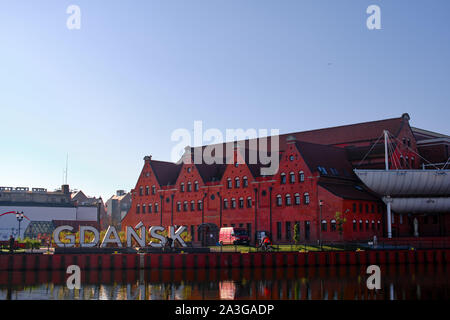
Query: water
column 402, row 282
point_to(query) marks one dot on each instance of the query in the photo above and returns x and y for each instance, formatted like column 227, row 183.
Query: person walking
column 11, row 243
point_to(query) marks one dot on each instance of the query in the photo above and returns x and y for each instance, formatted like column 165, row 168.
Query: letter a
column 74, row 280
column 374, row 281
column 73, row 21
column 374, row 21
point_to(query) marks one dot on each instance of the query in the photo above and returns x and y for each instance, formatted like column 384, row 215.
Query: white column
column 389, row 217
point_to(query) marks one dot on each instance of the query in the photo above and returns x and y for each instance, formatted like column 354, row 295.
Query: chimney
column 120, row 193
column 65, row 189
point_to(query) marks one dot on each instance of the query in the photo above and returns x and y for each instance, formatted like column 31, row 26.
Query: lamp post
column 320, row 222
column 19, row 217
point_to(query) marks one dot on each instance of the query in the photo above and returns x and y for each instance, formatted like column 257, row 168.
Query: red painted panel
column 372, row 257
column 4, row 260
column 267, row 260
column 81, row 261
column 290, row 259
column 257, row 260
column 68, row 260
column 381, row 257
column 429, row 256
column 201, row 261
column 178, row 261
column 212, row 260
column 189, row 260
column 154, row 260
column 279, row 260
column 439, row 256
column 132, row 259
column 447, row 255
column 301, row 259
column 322, row 256
column 332, row 258
column 401, row 256
column 166, row 261
column 311, row 258
column 235, row 260
column 411, row 256
column 93, row 262
column 30, row 262
column 106, row 261
column 246, row 263
column 351, row 257
column 420, row 256
column 362, row 257
column 17, row 262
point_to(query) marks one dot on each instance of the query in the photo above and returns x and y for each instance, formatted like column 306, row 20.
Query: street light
column 320, row 222
column 19, row 217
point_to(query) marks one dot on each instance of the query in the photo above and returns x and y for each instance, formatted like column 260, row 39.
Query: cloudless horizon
column 115, row 90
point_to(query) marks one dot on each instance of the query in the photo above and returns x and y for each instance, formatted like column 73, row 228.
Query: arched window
column 297, row 198
column 141, row 191
column 138, row 209
column 283, row 178
column 249, row 202
column 245, row 182
column 288, row 200
column 292, row 177
column 225, row 203
column 333, row 225
column 192, row 205
column 185, row 206
column 233, row 203
column 279, row 200
column 306, row 196
column 413, row 162
column 156, row 207
column 147, row 190
column 153, row 189
column 301, row 176
column 200, row 205
column 178, row 206
column 360, row 225
column 241, row 203
column 229, row 183
column 378, row 225
column 150, row 208
column 402, row 162
column 367, row 225
column 373, row 225
column 143, row 208
column 354, row 225
column 237, row 183
column 189, row 186
column 196, row 185
column 324, row 225
column 182, row 187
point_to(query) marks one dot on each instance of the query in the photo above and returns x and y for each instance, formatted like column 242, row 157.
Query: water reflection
column 403, row 282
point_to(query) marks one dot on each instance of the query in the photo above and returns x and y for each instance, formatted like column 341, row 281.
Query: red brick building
column 315, row 181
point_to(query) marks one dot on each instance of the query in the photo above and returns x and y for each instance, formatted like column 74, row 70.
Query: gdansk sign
column 112, row 237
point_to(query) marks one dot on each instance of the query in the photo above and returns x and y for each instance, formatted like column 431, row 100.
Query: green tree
column 296, row 233
column 340, row 220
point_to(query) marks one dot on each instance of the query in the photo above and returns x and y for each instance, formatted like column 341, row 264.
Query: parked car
column 233, row 235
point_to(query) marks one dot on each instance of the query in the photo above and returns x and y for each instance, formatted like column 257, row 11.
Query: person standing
column 11, row 243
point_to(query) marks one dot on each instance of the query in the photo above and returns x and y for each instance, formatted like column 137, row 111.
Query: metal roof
column 420, row 205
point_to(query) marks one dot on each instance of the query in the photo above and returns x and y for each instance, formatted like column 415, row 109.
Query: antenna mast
column 386, row 155
column 67, row 166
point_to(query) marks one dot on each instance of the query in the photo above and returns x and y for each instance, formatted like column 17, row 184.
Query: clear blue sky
column 114, row 91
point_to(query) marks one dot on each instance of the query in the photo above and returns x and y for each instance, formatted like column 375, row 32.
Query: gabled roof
column 211, row 172
column 165, row 172
column 348, row 191
column 332, row 159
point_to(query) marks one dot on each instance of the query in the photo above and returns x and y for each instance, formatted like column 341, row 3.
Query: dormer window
column 283, row 178
column 229, row 183
column 189, row 187
column 182, row 187
column 196, row 185
column 245, row 182
column 237, row 183
column 292, row 177
column 301, row 176
column 153, row 189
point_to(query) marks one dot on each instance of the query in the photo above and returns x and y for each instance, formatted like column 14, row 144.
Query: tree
column 296, row 233
column 340, row 220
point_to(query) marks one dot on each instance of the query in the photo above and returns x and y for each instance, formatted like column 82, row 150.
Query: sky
column 115, row 90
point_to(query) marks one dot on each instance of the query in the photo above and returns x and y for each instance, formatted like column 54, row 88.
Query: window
column 192, row 205
column 373, row 225
column 283, row 178
column 200, row 205
column 279, row 201
column 249, row 230
column 367, row 225
column 237, row 183
column 354, row 207
column 147, row 190
column 435, row 219
column 143, row 208
column 378, row 225
column 322, row 170
column 288, row 230
column 225, row 203
column 324, row 225
column 189, row 187
column 233, row 203
column 193, row 232
column 150, row 208
column 138, row 209
column 360, row 208
column 156, row 207
column 291, row 158
column 279, row 230
column 372, row 208
column 229, row 183
column 409, row 143
column 354, row 225
column 153, row 189
column 249, row 202
column 301, row 176
column 141, row 191
column 288, row 200
column 360, row 225
column 306, row 196
column 182, row 187
column 185, row 206
column 413, row 162
column 245, row 182
column 241, row 203
column 297, row 199
column 292, row 177
column 196, row 185
column 178, row 206
column 333, row 225
column 367, row 208
column 402, row 162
